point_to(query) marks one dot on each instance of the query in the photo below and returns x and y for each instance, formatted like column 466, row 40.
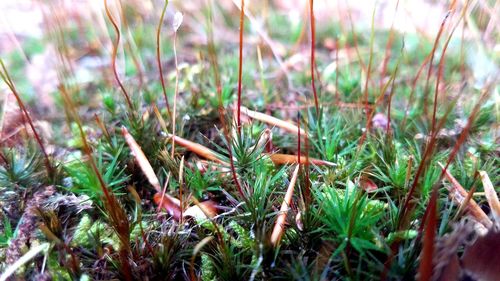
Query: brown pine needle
column 277, row 158
column 287, row 126
column 198, row 149
column 172, row 203
column 281, row 159
column 279, row 226
column 491, row 195
column 473, row 207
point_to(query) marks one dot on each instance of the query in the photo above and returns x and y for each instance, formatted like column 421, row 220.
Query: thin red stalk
column 181, row 182
column 137, row 200
column 213, row 57
column 215, row 66
column 117, row 215
column 175, row 92
column 388, row 49
column 434, row 130
column 313, row 43
column 429, row 71
column 337, row 97
column 413, row 88
column 103, row 127
column 158, row 58
column 421, row 167
column 355, row 40
column 4, row 159
column 425, row 268
column 307, row 194
column 368, row 72
column 388, row 128
column 233, row 172
column 371, row 113
column 427, row 253
column 240, row 66
column 135, row 57
column 86, row 148
column 441, row 67
column 462, row 51
column 4, row 74
column 298, row 138
column 458, row 144
column 114, row 54
column 59, row 38
column 297, row 44
column 465, row 132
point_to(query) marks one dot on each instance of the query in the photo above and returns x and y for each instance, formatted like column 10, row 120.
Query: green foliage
column 350, row 217
column 342, row 231
column 84, row 180
column 22, row 170
column 7, row 233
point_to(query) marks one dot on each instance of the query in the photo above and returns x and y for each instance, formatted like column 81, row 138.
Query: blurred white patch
column 178, row 17
column 483, row 68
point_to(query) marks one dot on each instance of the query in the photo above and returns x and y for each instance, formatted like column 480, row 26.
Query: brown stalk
column 103, row 127
column 379, row 99
column 388, row 48
column 136, row 59
column 337, row 97
column 213, row 57
column 114, row 54
column 313, row 43
column 433, row 51
column 299, row 139
column 388, row 129
column 307, row 191
column 368, row 71
column 176, row 87
column 4, row 75
column 117, row 216
column 240, row 65
column 158, row 57
column 279, row 226
column 425, row 268
column 441, row 66
column 430, row 147
column 181, row 182
column 413, row 88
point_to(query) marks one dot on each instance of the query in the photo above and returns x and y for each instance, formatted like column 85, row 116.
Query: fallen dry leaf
column 199, row 149
column 367, row 184
column 459, row 194
column 279, row 226
column 273, row 121
column 170, row 203
column 277, row 158
column 281, row 159
column 491, row 195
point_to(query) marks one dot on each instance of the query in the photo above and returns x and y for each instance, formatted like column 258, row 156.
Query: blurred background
column 47, row 43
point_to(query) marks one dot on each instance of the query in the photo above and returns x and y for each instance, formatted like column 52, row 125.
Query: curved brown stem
column 114, row 53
